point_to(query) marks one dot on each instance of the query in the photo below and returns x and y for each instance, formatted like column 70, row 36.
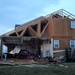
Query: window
column 56, row 43
column 72, row 43
column 73, row 24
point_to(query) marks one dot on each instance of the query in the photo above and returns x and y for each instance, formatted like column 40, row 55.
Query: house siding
column 60, row 29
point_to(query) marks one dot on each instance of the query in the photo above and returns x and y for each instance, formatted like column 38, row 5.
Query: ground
column 33, row 69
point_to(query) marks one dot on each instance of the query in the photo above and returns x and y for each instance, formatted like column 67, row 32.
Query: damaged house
column 46, row 36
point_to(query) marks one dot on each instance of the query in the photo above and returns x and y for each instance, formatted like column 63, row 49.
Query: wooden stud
column 32, row 31
column 22, row 33
column 39, row 29
column 44, row 29
column 17, row 34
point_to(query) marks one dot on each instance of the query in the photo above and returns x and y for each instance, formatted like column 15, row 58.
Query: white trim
column 58, row 51
column 72, row 43
column 73, row 24
column 56, row 43
column 51, row 48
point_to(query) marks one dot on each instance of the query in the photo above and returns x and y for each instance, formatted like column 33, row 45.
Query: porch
column 34, row 47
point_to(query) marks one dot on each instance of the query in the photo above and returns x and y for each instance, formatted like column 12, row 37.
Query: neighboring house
column 49, row 34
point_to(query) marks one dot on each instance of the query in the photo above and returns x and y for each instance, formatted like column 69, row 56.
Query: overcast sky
column 20, row 11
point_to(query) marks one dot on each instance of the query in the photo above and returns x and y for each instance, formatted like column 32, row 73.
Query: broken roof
column 61, row 12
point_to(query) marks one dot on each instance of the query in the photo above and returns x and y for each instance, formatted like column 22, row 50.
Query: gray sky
column 20, row 11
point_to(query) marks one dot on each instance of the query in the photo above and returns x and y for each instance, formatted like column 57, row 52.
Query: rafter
column 17, row 34
column 22, row 33
column 44, row 29
column 39, row 29
column 32, row 31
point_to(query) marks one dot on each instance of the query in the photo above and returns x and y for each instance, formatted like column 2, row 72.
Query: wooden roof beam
column 24, row 30
column 39, row 29
column 17, row 34
column 44, row 29
column 32, row 31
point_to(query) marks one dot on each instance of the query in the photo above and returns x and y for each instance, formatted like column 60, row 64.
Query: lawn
column 52, row 69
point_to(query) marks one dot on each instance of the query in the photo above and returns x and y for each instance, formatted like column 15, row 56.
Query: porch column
column 51, row 48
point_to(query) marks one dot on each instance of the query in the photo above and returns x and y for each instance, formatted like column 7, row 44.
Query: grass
column 51, row 70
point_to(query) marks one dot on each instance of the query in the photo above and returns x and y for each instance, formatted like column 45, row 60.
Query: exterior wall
column 64, row 43
column 72, row 32
column 59, row 29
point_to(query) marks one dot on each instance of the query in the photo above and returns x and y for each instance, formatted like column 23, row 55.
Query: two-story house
column 49, row 35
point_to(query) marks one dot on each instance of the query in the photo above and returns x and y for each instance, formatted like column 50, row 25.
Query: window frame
column 72, row 42
column 72, row 24
column 56, row 42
